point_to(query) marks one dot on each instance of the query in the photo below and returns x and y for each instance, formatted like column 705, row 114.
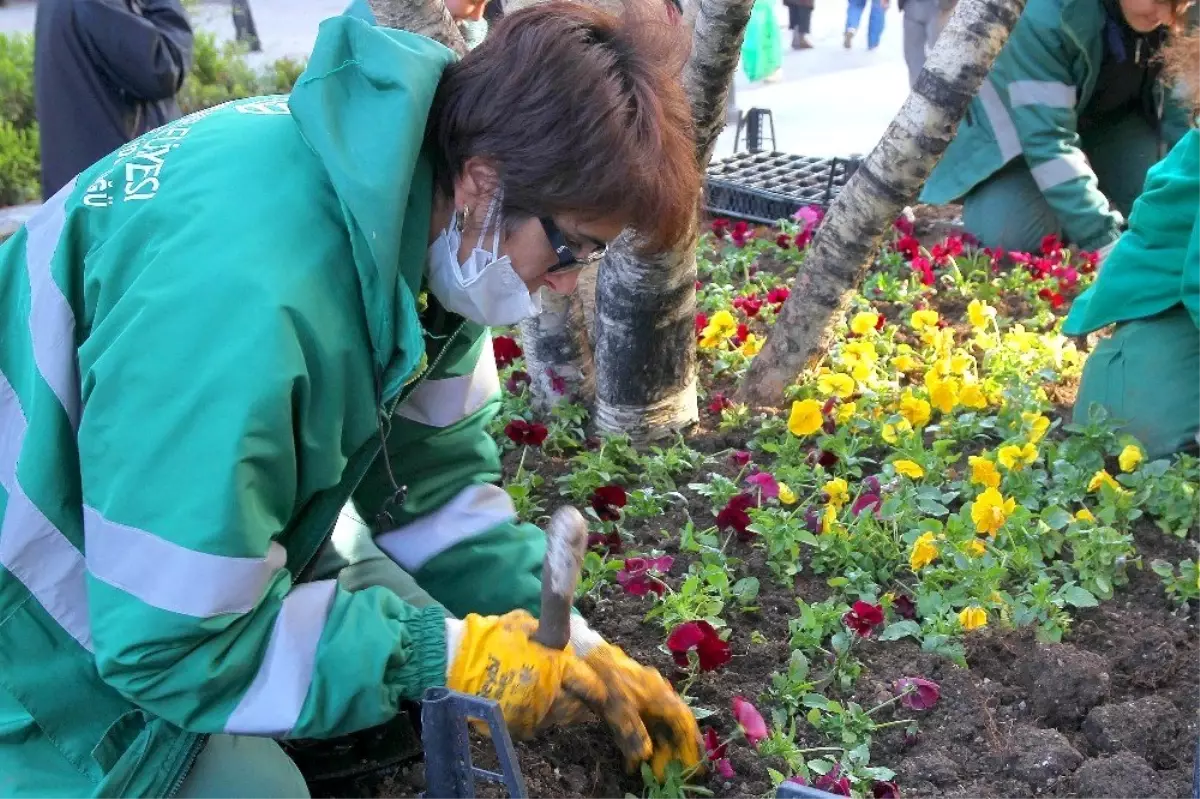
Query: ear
column 474, row 186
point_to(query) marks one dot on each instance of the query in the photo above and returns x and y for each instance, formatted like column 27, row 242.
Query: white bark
column 645, row 308
column 428, row 18
column 556, row 343
column 888, row 180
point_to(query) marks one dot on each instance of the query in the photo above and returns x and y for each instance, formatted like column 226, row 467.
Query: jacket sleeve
column 457, row 533
column 147, row 55
column 211, row 416
column 1030, row 99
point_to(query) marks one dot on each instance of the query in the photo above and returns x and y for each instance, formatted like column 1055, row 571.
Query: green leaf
column 882, row 773
column 900, row 629
column 815, row 701
column 1162, row 568
column 1079, row 596
column 776, row 777
column 813, row 717
column 746, row 589
column 1056, row 517
column 819, row 766
column 932, row 508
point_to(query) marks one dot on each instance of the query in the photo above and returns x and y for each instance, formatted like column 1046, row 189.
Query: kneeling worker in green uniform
column 247, row 491
column 1147, row 373
column 1065, row 126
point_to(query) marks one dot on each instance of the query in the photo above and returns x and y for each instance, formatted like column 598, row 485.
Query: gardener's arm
column 1030, row 100
column 457, row 531
column 200, row 437
column 146, row 54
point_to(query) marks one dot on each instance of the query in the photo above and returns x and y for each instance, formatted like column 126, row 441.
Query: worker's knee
column 1008, row 211
column 232, row 766
column 1147, row 377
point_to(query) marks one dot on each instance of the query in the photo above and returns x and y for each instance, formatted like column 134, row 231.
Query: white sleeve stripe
column 441, row 403
column 1041, row 92
column 1060, row 170
column 273, row 702
column 1001, row 122
column 474, row 510
column 171, row 577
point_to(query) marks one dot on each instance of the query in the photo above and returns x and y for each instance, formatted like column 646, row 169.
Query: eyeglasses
column 568, row 260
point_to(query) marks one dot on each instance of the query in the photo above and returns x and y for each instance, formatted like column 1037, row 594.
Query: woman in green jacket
column 246, row 487
column 1146, row 375
column 1062, row 131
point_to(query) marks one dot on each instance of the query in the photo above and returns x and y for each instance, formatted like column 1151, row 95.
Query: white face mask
column 484, row 289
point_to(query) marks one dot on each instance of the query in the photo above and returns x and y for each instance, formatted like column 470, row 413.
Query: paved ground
column 830, row 101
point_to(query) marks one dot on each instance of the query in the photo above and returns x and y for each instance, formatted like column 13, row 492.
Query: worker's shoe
column 848, row 39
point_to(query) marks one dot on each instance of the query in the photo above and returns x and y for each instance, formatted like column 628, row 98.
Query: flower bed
column 918, row 580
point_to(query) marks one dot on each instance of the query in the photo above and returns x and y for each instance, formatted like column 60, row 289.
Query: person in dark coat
column 104, row 73
column 800, row 22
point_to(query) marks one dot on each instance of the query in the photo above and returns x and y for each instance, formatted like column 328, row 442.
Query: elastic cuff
column 583, row 638
column 427, row 666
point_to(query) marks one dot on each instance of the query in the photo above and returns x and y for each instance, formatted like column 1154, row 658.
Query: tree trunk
column 429, row 18
column 558, row 353
column 646, row 308
column 889, row 179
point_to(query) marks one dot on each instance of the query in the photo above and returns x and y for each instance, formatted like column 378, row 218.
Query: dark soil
column 1111, row 711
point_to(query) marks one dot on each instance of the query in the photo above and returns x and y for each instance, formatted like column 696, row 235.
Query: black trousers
column 799, row 18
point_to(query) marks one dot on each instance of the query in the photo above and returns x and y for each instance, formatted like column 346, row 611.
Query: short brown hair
column 580, row 112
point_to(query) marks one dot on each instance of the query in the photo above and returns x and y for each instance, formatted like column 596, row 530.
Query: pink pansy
column 753, row 725
column 767, row 485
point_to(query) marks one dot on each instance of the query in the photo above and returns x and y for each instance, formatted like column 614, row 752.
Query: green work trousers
column 1008, row 209
column 1147, row 376
column 239, row 766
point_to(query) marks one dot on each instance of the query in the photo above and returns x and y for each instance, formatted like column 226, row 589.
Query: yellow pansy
column 942, row 341
column 984, row 472
column 786, row 495
column 891, row 432
column 839, row 385
column 1038, row 425
column 864, row 323
column 805, row 418
column 924, row 552
column 980, row 314
column 972, row 618
column 860, row 351
column 829, row 518
column 1015, row 458
column 914, row 409
column 838, row 491
column 909, row 469
column 939, row 370
column 991, row 510
column 923, row 320
column 960, row 363
column 1130, row 457
column 720, row 327
column 972, row 396
column 906, row 363
column 1084, row 515
column 1103, row 478
column 845, row 412
column 751, row 345
column 944, row 395
column 1020, row 339
column 975, row 548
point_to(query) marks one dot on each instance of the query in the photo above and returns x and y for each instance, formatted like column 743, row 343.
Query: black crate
column 767, row 187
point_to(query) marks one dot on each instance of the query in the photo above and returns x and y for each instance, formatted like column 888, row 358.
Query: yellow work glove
column 657, row 725
column 495, row 657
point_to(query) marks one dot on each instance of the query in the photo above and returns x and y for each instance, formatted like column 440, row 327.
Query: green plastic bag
column 762, row 49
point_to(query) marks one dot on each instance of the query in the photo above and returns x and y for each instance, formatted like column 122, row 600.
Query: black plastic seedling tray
column 766, row 187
